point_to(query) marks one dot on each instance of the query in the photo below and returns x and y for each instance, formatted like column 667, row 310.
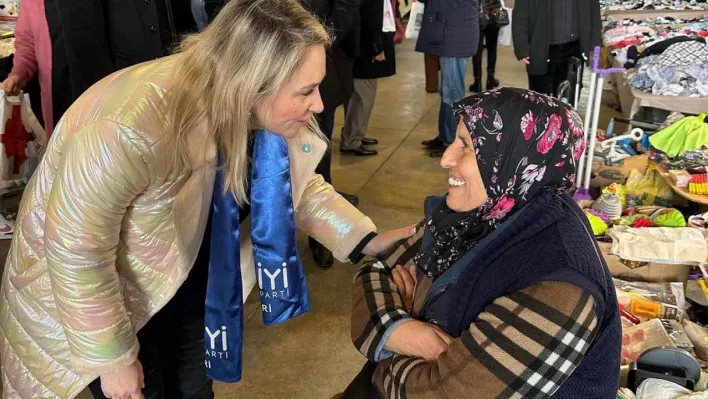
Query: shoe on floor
column 353, row 199
column 437, row 153
column 322, row 256
column 6, row 229
column 492, row 83
column 433, row 144
column 476, row 87
column 369, row 141
column 361, row 151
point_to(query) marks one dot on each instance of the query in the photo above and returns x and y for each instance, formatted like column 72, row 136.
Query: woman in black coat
column 377, row 59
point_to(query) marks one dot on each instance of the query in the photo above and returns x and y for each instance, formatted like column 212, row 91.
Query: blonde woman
column 152, row 179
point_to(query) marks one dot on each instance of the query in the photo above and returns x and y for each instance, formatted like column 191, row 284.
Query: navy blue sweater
column 548, row 240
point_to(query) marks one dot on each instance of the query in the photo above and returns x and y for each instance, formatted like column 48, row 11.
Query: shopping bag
column 415, row 20
column 22, row 140
column 389, row 19
column 505, row 31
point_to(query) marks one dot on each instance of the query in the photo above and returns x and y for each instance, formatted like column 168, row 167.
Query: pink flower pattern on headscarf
column 502, row 207
column 528, row 125
column 552, row 134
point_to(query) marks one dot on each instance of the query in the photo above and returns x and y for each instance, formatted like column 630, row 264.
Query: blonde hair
column 246, row 54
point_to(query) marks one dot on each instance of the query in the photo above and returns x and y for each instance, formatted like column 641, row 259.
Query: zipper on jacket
column 430, row 299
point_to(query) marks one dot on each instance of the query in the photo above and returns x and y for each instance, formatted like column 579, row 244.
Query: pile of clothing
column 627, row 38
column 653, row 5
column 679, row 69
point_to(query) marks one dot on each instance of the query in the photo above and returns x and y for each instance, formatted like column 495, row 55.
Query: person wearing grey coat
column 450, row 30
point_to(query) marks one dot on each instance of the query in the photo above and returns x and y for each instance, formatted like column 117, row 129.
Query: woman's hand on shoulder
column 387, row 240
column 418, row 339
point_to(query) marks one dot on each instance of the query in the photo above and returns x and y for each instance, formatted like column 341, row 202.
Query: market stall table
column 699, row 199
column 649, row 14
column 632, row 100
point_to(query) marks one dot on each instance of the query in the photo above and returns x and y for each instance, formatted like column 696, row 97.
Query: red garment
column 33, row 53
column 15, row 139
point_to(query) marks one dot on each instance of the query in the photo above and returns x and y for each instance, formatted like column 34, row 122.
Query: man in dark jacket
column 342, row 17
column 104, row 36
column 547, row 33
column 376, row 60
column 450, row 30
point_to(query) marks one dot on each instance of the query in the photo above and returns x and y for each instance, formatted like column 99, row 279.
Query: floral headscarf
column 525, row 143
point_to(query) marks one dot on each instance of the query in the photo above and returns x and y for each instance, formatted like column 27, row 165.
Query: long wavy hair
column 250, row 50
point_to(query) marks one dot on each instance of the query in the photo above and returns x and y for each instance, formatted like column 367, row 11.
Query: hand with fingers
column 405, row 280
column 126, row 383
column 414, row 338
column 387, row 240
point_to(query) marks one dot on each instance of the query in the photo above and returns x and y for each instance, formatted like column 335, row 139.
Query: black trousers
column 326, row 122
column 490, row 36
column 62, row 95
column 558, row 62
column 172, row 344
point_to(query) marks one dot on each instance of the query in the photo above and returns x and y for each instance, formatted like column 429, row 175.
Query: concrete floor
column 312, row 356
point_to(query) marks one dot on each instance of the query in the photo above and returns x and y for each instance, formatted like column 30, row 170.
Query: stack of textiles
column 681, row 69
column 626, row 39
column 653, row 5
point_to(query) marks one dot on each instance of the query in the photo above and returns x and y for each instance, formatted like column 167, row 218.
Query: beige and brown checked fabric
column 524, row 345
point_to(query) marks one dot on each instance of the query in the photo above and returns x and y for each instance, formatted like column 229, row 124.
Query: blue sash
column 281, row 278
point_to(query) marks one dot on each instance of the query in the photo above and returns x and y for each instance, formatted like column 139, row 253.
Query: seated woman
column 509, row 294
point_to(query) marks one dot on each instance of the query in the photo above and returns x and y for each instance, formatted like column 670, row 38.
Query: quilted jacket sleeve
column 330, row 219
column 101, row 172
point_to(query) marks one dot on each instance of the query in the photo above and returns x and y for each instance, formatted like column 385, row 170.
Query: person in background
column 548, row 33
column 489, row 35
column 463, row 317
column 376, row 60
column 39, row 53
column 450, row 30
column 137, row 204
column 102, row 37
column 432, row 73
column 342, row 18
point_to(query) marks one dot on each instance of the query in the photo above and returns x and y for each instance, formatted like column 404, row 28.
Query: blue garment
column 281, row 278
column 452, row 90
column 548, row 240
column 450, row 28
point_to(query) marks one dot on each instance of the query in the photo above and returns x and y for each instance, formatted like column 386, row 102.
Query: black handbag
column 499, row 17
column 483, row 19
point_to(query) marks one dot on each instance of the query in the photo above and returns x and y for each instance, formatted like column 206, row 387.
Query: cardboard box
column 605, row 175
column 642, row 271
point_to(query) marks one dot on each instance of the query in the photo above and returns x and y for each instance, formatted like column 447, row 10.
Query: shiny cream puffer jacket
column 106, row 234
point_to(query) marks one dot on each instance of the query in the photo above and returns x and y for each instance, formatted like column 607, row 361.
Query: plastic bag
column 415, row 20
column 505, row 31
column 22, row 140
column 678, row 335
column 651, row 300
column 650, row 189
column 653, row 388
column 389, row 18
column 699, row 338
column 636, row 340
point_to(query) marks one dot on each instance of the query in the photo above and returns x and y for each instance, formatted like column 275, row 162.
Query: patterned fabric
column 525, row 142
column 377, row 306
column 525, row 344
column 684, row 53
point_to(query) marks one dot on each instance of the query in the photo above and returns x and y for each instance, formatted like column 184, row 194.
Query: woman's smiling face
column 466, row 190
